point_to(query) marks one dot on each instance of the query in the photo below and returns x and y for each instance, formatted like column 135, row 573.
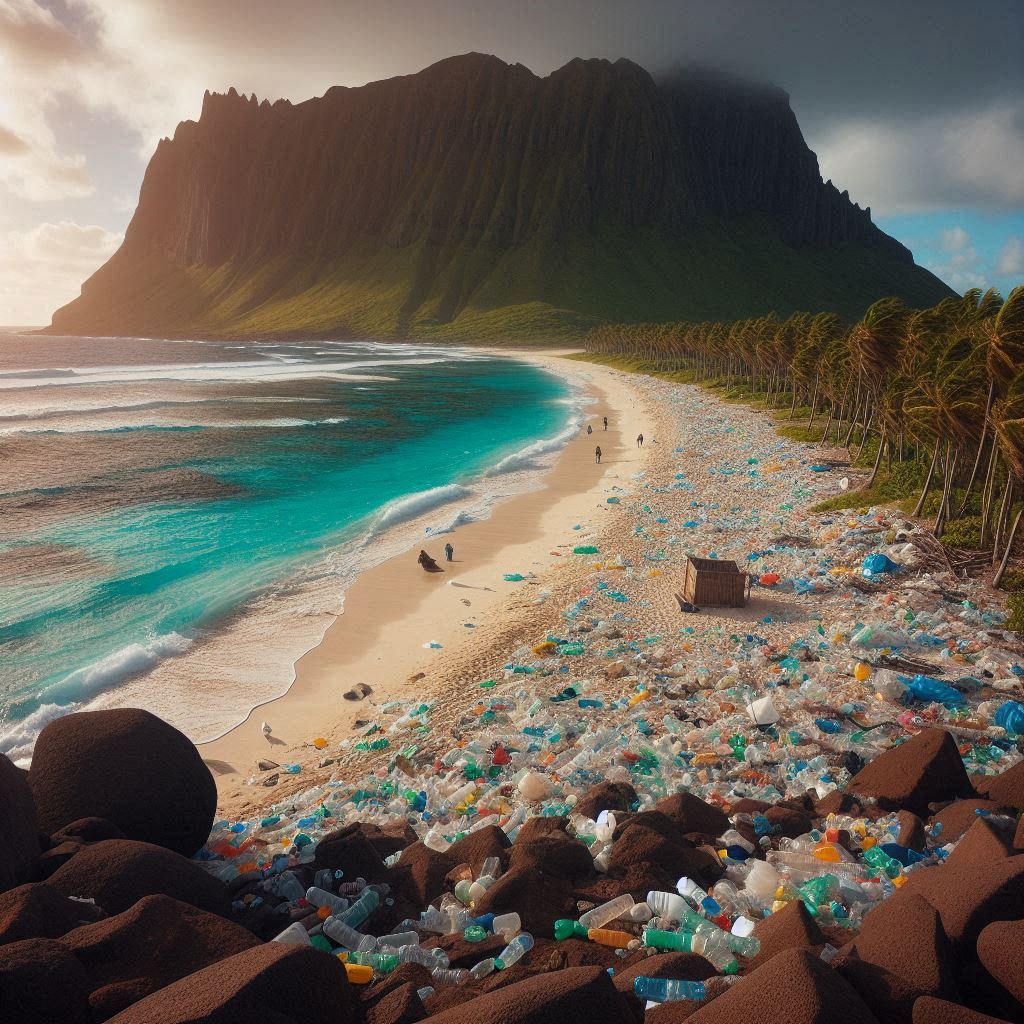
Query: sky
column 915, row 106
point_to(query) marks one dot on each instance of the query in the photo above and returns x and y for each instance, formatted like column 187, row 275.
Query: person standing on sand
column 639, row 440
column 606, row 423
column 590, row 429
column 448, row 552
column 597, row 455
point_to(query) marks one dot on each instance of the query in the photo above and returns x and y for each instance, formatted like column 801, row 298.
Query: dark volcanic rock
column 926, row 769
column 273, row 983
column 37, row 911
column 19, row 846
column 117, row 873
column 42, row 983
column 88, row 830
column 129, row 767
column 576, row 994
column 156, row 942
column 350, row 850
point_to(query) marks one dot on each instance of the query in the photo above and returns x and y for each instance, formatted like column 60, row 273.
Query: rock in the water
column 926, row 769
column 129, row 767
column 19, row 840
column 117, row 873
column 1001, row 951
column 41, row 982
column 575, row 994
column 149, row 946
column 273, row 983
column 36, row 911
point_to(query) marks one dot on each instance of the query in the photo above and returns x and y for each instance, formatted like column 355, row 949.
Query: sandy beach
column 394, row 609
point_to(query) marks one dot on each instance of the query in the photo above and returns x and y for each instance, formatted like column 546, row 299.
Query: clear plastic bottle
column 664, row 990
column 345, row 935
column 450, row 976
column 514, row 951
column 322, row 898
column 601, row 915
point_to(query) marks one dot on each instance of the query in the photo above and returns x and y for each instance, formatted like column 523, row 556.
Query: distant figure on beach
column 428, row 564
column 590, row 429
column 597, row 454
column 265, row 729
column 639, row 440
column 606, row 423
column 448, row 552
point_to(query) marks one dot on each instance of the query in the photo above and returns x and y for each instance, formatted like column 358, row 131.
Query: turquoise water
column 191, row 504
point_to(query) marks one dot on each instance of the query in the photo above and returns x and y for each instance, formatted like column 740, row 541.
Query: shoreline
column 396, row 599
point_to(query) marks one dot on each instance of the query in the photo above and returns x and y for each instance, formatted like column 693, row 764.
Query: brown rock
column 42, row 983
column 576, row 994
column 1006, row 788
column 651, row 839
column 129, row 767
column 1018, row 836
column 798, row 985
column 970, row 896
column 848, row 804
column 790, row 822
column 792, row 927
column 912, row 833
column 475, row 848
column 396, row 1004
column 350, row 850
column 606, row 796
column 686, row 966
column 537, row 897
column 88, row 830
column 888, row 996
column 19, row 847
column 462, row 953
column 149, row 946
column 557, row 854
column 117, row 873
column 273, row 983
column 536, row 827
column 56, row 857
column 958, row 817
column 904, row 934
column 1000, row 949
column 420, row 874
column 691, row 814
column 982, row 844
column 926, row 769
column 928, row 1010
column 36, row 911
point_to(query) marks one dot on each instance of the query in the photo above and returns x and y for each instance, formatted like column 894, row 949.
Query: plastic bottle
column 294, row 935
column 322, row 898
column 514, row 951
column 506, row 924
column 664, row 990
column 482, row 969
column 606, row 912
column 450, row 976
column 609, row 937
column 359, row 974
column 344, row 934
column 363, row 907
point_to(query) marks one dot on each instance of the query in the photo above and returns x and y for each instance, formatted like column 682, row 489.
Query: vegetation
column 932, row 399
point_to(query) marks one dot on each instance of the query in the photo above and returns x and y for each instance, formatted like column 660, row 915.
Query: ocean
column 186, row 516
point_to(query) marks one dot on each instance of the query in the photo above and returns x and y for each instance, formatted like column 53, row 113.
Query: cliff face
column 476, row 198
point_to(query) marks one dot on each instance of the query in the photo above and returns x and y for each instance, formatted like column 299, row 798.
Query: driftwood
column 908, row 665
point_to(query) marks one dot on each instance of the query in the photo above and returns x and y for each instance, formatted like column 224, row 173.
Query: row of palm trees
column 943, row 385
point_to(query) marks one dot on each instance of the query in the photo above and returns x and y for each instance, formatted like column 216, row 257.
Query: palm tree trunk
column 952, row 457
column 864, row 434
column 1001, row 519
column 814, row 403
column 981, row 448
column 1001, row 571
column 919, row 507
column 987, row 492
column 828, row 423
column 878, row 459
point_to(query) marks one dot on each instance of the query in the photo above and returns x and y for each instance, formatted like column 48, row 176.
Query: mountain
column 477, row 200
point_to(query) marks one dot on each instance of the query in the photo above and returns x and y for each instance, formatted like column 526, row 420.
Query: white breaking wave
column 280, row 422
column 18, row 738
column 414, row 505
column 526, row 458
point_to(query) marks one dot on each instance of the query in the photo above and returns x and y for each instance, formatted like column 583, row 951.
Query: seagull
column 265, row 729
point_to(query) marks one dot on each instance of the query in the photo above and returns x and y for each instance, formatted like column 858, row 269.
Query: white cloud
column 1011, row 256
column 44, row 267
column 931, row 163
column 954, row 239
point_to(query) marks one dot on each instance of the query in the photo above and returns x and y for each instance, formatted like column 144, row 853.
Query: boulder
column 904, row 935
column 420, row 875
column 534, row 828
column 474, row 849
column 605, row 796
column 956, row 818
column 800, row 988
column 789, row 821
column 576, row 994
column 536, row 896
column 273, row 983
column 690, row 814
column 149, row 946
column 970, row 896
column 350, row 850
column 888, row 996
column 926, row 769
column 1000, row 949
column 87, row 830
column 19, row 847
column 36, row 911
column 42, row 983
column 652, row 840
column 685, row 966
column 912, row 834
column 792, row 927
column 129, row 767
column 557, row 854
column 117, row 873
column 397, row 1004
column 929, row 1010
column 981, row 844
column 1006, row 788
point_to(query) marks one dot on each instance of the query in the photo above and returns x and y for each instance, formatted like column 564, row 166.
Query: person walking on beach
column 639, row 440
column 590, row 429
column 597, row 455
column 448, row 552
column 606, row 423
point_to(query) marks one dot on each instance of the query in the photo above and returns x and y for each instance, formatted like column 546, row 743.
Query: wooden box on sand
column 715, row 582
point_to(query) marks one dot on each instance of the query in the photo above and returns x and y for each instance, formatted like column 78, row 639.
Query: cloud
column 971, row 159
column 1011, row 256
column 954, row 239
column 960, row 265
column 45, row 266
column 12, row 144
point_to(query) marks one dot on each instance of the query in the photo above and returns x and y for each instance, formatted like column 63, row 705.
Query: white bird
column 265, row 729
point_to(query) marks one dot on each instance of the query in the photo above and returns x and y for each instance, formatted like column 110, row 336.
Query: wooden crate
column 715, row 582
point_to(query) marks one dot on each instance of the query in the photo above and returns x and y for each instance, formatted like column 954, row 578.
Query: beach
column 394, row 609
